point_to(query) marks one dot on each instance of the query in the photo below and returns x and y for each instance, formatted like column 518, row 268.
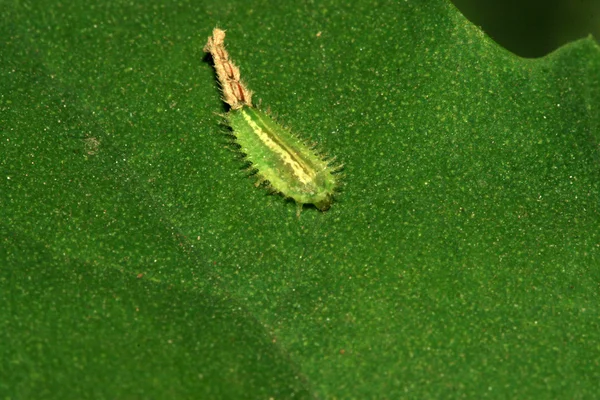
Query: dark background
column 533, row 28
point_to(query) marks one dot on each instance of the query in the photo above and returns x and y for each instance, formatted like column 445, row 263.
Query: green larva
column 281, row 159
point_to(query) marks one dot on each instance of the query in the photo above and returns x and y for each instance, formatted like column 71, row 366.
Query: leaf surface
column 137, row 259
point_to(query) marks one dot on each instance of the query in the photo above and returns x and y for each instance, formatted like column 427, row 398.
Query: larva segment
column 291, row 167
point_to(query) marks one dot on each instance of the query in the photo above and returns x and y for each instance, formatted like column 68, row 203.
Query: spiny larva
column 285, row 162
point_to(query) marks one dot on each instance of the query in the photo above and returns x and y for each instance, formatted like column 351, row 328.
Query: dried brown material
column 235, row 92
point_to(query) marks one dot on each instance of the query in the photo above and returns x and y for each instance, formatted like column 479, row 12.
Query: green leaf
column 137, row 260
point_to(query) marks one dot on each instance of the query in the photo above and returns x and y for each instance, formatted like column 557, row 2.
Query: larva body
column 290, row 167
column 280, row 158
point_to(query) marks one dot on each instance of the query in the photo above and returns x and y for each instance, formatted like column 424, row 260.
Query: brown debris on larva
column 235, row 92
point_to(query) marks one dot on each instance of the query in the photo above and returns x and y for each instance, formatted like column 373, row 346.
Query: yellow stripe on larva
column 302, row 174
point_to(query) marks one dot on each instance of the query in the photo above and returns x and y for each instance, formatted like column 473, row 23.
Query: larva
column 280, row 158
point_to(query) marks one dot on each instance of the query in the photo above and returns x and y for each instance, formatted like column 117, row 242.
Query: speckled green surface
column 137, row 259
